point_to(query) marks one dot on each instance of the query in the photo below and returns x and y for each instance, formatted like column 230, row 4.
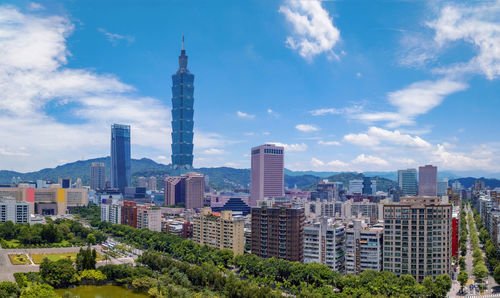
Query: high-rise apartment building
column 182, row 115
column 152, row 184
column 324, row 243
column 187, row 190
column 120, row 156
column 149, row 217
column 221, row 230
column 407, row 181
column 363, row 249
column 142, row 182
column 427, row 181
column 97, row 176
column 129, row 214
column 11, row 210
column 278, row 232
column 111, row 213
column 267, row 174
column 325, row 191
column 418, row 237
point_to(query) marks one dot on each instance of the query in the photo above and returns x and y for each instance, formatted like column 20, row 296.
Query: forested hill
column 221, row 178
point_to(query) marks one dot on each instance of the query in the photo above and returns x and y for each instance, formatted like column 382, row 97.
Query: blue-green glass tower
column 182, row 115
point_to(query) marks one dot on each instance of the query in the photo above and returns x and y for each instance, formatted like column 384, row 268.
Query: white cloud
column 477, row 24
column 359, row 75
column 306, row 127
column 291, row 147
column 328, row 143
column 314, row 32
column 463, row 161
column 414, row 100
column 334, row 165
column 355, row 108
column 214, row 151
column 244, row 115
column 34, row 6
column 114, row 38
column 375, row 135
column 38, row 90
column 370, row 159
column 269, row 111
column 321, row 112
column 5, row 152
column 316, row 162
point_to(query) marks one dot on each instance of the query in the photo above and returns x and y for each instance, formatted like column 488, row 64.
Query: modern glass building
column 407, row 180
column 120, row 156
column 182, row 115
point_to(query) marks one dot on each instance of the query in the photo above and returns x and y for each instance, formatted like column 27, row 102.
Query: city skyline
column 330, row 94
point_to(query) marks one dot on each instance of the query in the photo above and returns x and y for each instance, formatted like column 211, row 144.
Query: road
column 492, row 288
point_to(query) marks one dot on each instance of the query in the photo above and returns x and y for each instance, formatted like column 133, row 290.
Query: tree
column 443, row 285
column 60, row 273
column 496, row 273
column 92, row 276
column 143, row 284
column 39, row 290
column 91, row 240
column 480, row 271
column 461, row 261
column 463, row 277
column 8, row 289
column 86, row 259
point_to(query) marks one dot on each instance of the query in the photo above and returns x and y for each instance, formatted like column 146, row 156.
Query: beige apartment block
column 417, row 237
column 219, row 230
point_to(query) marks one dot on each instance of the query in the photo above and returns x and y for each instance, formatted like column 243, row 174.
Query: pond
column 106, row 291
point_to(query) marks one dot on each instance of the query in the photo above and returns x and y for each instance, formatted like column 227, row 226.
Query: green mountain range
column 221, row 178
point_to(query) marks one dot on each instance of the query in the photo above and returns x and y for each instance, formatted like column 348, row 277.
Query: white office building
column 11, row 210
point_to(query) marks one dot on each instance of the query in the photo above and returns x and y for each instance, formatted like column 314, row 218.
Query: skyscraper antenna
column 183, row 42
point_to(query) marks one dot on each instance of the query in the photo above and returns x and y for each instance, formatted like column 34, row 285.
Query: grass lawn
column 38, row 258
column 14, row 243
column 20, row 259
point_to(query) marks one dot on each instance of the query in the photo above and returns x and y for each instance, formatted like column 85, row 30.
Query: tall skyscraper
column 120, row 156
column 97, row 176
column 427, row 181
column 407, row 180
column 267, row 175
column 182, row 116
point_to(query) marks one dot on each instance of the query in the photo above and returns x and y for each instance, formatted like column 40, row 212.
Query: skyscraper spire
column 183, row 59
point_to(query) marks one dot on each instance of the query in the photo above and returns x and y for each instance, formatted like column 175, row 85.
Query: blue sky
column 343, row 85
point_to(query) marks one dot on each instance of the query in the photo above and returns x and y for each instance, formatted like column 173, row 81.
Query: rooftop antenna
column 183, row 42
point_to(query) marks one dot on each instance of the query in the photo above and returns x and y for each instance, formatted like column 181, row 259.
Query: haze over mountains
column 230, row 178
